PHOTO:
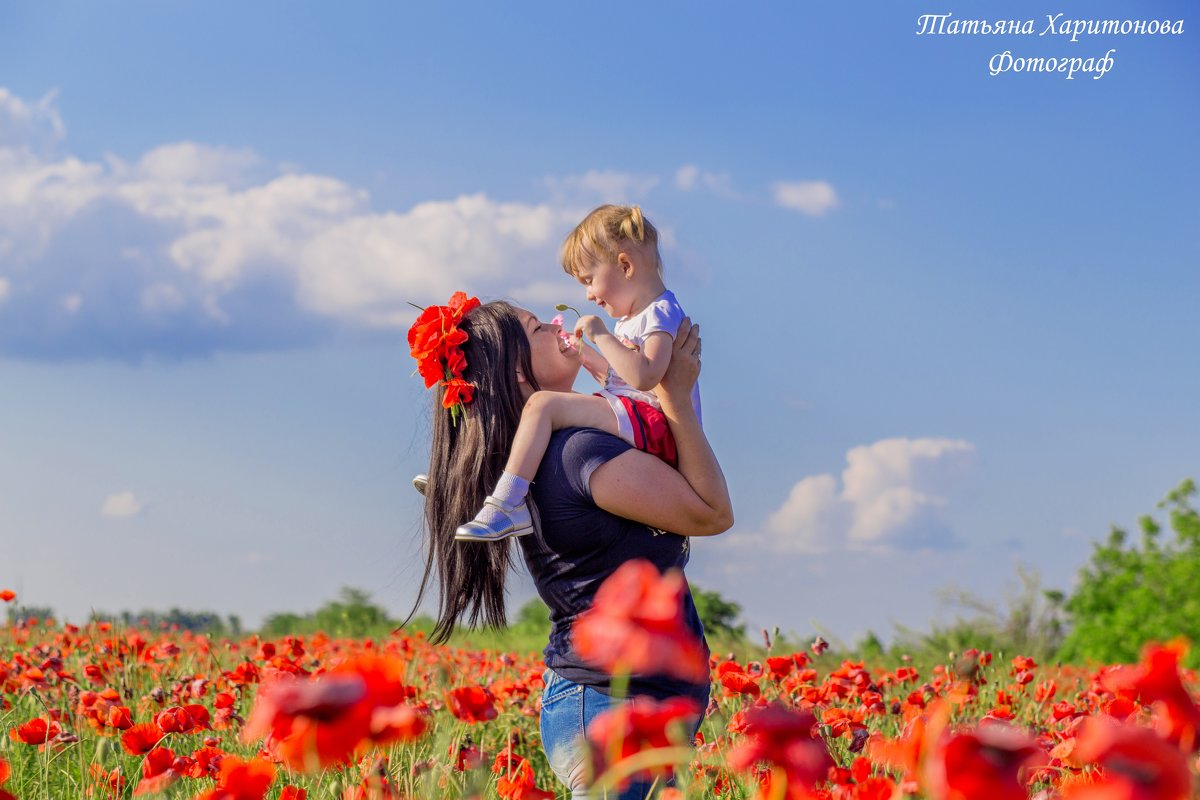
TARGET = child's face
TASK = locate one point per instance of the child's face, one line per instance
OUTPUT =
(608, 287)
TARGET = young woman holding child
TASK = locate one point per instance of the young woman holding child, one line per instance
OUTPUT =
(600, 501)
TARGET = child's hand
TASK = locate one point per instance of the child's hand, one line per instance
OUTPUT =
(591, 326)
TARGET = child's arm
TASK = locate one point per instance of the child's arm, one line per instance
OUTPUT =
(593, 362)
(644, 369)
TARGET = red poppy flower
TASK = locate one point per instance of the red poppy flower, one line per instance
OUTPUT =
(638, 725)
(241, 780)
(636, 624)
(141, 739)
(985, 762)
(1135, 764)
(311, 723)
(157, 772)
(736, 683)
(462, 305)
(290, 792)
(472, 703)
(157, 761)
(120, 717)
(787, 741)
(36, 731)
(206, 762)
(779, 667)
(7, 595)
(399, 723)
(1156, 681)
(455, 391)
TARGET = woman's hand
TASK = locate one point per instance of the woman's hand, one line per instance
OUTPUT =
(693, 500)
(684, 368)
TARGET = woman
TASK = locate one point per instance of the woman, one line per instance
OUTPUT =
(599, 503)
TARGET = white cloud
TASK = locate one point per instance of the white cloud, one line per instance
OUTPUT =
(227, 251)
(685, 177)
(808, 197)
(605, 186)
(191, 162)
(121, 505)
(690, 177)
(366, 267)
(29, 125)
(892, 495)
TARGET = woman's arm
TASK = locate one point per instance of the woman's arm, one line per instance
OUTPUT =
(692, 500)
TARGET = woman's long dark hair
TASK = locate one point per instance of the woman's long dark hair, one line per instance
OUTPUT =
(464, 465)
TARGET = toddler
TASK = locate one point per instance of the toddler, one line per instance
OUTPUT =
(613, 252)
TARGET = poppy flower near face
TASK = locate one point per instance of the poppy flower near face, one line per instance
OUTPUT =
(636, 624)
(472, 703)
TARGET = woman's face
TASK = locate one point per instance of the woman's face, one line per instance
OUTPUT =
(555, 364)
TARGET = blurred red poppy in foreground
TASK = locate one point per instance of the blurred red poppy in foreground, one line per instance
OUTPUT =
(788, 742)
(312, 723)
(639, 725)
(1135, 764)
(4, 772)
(636, 625)
(1156, 681)
(984, 762)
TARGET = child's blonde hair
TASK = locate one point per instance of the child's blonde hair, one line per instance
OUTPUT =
(600, 235)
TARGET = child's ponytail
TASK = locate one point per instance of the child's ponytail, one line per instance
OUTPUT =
(633, 226)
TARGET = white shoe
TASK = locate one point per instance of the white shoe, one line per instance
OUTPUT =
(513, 521)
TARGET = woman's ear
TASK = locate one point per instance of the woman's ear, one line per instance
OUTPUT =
(521, 377)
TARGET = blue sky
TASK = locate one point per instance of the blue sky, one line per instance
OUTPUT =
(948, 316)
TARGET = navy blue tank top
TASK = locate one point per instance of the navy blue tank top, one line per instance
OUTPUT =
(579, 545)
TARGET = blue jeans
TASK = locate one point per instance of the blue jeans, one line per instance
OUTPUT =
(567, 710)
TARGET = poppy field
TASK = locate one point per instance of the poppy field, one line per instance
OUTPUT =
(105, 712)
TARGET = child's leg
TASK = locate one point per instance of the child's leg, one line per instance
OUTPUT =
(544, 413)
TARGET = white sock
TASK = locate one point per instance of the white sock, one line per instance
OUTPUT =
(510, 490)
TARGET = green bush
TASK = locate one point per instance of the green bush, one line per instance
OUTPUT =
(1134, 593)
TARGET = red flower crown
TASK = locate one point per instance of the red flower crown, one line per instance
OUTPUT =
(435, 342)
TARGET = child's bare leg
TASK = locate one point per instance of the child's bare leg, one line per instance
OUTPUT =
(544, 413)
